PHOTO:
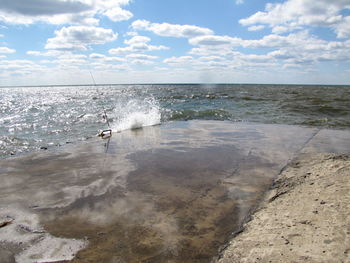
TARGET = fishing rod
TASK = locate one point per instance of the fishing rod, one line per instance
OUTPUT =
(104, 133)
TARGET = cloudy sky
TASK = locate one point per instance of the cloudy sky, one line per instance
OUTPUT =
(46, 42)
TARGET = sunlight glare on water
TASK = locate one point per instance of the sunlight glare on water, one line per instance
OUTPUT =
(34, 118)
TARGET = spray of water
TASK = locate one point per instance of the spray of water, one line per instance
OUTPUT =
(136, 114)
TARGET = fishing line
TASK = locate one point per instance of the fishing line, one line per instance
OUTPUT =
(103, 133)
(104, 111)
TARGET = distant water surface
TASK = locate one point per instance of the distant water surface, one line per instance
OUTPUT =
(34, 118)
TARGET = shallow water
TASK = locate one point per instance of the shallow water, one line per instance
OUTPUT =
(36, 118)
(169, 193)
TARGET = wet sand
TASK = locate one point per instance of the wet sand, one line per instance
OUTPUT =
(172, 193)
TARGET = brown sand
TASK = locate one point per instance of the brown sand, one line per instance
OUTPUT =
(304, 218)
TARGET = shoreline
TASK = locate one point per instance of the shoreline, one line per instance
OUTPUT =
(304, 217)
(61, 145)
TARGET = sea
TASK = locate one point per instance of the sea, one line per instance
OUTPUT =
(45, 117)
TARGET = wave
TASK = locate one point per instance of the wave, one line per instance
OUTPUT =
(137, 114)
(212, 114)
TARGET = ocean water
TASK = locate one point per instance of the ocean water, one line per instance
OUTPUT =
(38, 118)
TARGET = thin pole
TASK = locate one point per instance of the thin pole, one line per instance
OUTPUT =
(105, 114)
(106, 118)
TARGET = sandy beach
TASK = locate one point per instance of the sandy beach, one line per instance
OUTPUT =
(305, 217)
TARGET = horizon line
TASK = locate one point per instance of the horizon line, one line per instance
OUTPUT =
(163, 84)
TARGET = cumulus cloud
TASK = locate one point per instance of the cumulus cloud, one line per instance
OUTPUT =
(79, 12)
(211, 51)
(211, 58)
(18, 67)
(136, 44)
(97, 56)
(137, 40)
(343, 28)
(104, 58)
(80, 37)
(179, 61)
(141, 56)
(199, 64)
(118, 14)
(141, 59)
(171, 30)
(256, 28)
(42, 7)
(215, 41)
(6, 50)
(295, 14)
(298, 48)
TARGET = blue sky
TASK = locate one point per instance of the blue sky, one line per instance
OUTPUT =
(50, 42)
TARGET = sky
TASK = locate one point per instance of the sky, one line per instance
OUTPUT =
(63, 42)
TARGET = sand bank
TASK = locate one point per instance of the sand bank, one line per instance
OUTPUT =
(304, 218)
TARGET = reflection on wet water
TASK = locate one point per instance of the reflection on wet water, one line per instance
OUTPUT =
(171, 193)
(174, 206)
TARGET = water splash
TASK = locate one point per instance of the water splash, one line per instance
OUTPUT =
(137, 114)
(38, 118)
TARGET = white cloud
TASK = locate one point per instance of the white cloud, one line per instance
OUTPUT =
(42, 7)
(118, 14)
(137, 40)
(211, 50)
(136, 44)
(211, 58)
(120, 51)
(130, 34)
(70, 61)
(213, 40)
(141, 59)
(138, 48)
(77, 12)
(179, 61)
(295, 14)
(19, 66)
(275, 41)
(69, 55)
(97, 56)
(108, 4)
(142, 62)
(80, 37)
(113, 68)
(105, 58)
(49, 53)
(6, 50)
(171, 30)
(256, 28)
(239, 2)
(236, 60)
(34, 53)
(86, 18)
(299, 48)
(343, 28)
(141, 56)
